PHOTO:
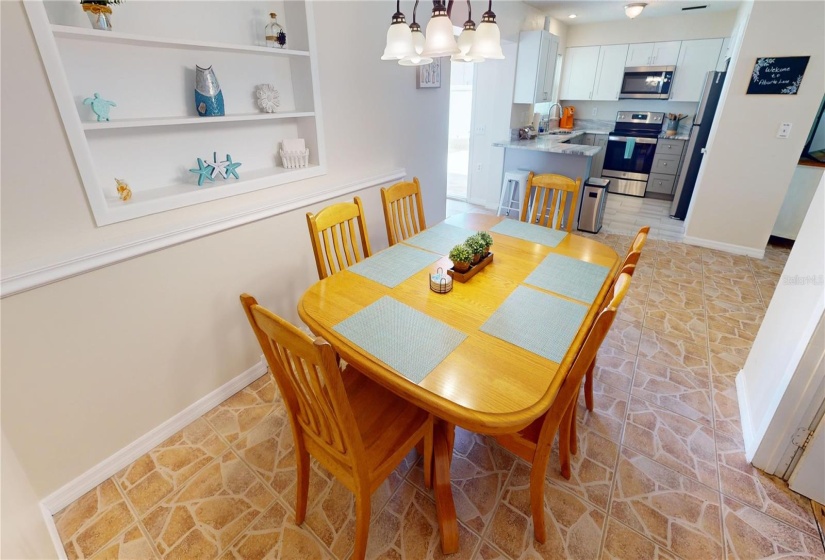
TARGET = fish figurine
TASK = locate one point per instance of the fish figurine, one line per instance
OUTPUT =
(123, 190)
(100, 106)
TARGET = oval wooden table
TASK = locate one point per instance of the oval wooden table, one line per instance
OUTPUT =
(486, 385)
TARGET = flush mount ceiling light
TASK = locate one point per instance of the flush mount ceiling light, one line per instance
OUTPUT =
(572, 16)
(409, 46)
(633, 10)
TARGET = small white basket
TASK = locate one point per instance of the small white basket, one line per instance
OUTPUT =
(293, 160)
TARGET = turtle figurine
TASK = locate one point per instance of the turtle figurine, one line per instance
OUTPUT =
(100, 106)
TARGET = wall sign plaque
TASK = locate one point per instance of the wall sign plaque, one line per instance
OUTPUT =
(778, 75)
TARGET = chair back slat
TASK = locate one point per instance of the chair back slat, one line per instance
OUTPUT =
(308, 377)
(335, 232)
(546, 198)
(403, 210)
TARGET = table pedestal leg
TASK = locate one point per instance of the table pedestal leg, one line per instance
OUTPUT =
(445, 507)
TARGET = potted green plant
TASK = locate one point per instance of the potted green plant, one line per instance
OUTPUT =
(99, 12)
(462, 256)
(477, 246)
(487, 239)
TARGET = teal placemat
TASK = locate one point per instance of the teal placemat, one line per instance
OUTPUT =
(530, 232)
(394, 265)
(570, 277)
(405, 339)
(440, 239)
(538, 322)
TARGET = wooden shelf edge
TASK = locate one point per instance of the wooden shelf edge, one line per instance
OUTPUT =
(186, 121)
(68, 31)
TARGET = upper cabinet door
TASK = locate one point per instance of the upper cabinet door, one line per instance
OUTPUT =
(609, 72)
(535, 67)
(579, 73)
(639, 54)
(724, 55)
(550, 68)
(665, 54)
(696, 59)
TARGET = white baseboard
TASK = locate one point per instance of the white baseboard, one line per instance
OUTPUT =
(48, 520)
(31, 275)
(73, 490)
(727, 247)
(745, 416)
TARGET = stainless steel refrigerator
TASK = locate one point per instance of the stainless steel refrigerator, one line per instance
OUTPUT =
(699, 133)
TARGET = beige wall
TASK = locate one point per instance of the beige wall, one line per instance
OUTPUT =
(23, 533)
(91, 363)
(747, 169)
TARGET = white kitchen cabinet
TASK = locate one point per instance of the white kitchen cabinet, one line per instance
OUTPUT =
(609, 72)
(154, 136)
(579, 72)
(653, 54)
(724, 55)
(696, 59)
(535, 67)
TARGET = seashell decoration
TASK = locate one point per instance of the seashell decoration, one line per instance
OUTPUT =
(268, 97)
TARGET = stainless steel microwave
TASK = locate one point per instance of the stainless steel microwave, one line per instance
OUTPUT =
(647, 82)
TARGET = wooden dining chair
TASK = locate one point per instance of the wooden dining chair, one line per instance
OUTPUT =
(403, 210)
(355, 428)
(631, 258)
(334, 238)
(533, 443)
(547, 196)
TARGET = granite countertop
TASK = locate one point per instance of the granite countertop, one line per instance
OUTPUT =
(553, 144)
(679, 136)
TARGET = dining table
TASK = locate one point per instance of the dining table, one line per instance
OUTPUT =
(489, 355)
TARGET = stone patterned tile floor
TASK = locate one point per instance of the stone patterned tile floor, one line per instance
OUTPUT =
(660, 473)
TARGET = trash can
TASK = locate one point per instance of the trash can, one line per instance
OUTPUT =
(594, 198)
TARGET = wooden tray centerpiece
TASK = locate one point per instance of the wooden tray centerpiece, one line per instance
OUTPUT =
(471, 256)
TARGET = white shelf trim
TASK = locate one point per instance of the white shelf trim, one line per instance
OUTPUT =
(177, 121)
(29, 276)
(70, 32)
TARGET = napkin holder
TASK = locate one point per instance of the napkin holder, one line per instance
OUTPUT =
(441, 283)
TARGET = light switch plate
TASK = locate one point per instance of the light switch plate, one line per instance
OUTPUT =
(784, 130)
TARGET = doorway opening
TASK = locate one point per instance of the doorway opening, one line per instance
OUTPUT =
(460, 127)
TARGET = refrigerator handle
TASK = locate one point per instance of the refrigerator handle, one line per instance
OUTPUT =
(704, 150)
(703, 103)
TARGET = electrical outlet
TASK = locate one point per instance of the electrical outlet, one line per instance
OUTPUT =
(595, 111)
(479, 166)
(784, 130)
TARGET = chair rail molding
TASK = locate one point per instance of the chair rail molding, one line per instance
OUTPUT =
(34, 274)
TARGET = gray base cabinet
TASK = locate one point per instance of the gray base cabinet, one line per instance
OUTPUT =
(666, 163)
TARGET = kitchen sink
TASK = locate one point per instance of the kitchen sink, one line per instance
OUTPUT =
(557, 132)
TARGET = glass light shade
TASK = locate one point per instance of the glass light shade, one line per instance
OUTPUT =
(487, 43)
(418, 45)
(633, 10)
(465, 42)
(399, 42)
(440, 40)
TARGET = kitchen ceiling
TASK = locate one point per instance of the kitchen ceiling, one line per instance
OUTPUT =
(592, 11)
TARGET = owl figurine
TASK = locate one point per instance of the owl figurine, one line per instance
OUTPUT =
(123, 190)
(100, 106)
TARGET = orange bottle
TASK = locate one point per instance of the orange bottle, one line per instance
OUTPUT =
(566, 120)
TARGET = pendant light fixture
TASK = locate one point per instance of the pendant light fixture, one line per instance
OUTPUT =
(466, 40)
(633, 10)
(487, 43)
(440, 40)
(399, 37)
(418, 41)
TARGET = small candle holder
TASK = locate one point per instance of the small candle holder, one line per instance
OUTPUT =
(440, 283)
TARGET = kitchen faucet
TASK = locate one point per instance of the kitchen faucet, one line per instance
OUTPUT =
(550, 110)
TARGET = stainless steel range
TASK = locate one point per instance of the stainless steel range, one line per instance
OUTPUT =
(630, 148)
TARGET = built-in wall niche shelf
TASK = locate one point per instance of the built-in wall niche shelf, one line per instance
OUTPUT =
(182, 121)
(153, 137)
(68, 31)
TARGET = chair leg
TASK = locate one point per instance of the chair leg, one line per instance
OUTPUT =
(302, 483)
(588, 386)
(362, 524)
(428, 457)
(567, 438)
(537, 473)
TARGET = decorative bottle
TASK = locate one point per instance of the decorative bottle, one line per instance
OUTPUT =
(275, 34)
(208, 95)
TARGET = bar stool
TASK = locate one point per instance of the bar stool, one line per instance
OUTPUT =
(512, 192)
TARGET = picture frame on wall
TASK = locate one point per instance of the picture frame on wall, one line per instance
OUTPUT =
(429, 75)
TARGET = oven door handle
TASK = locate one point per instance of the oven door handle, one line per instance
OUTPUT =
(638, 140)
